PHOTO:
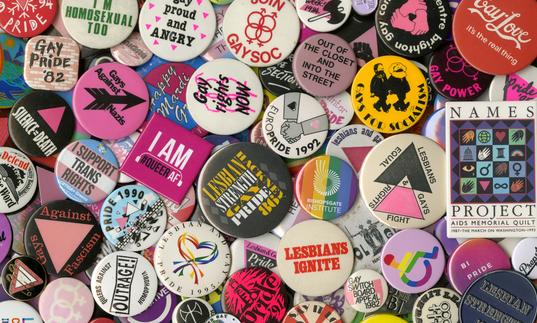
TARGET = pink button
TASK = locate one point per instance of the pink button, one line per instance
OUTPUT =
(110, 101)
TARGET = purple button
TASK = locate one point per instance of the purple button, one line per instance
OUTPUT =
(440, 232)
(412, 261)
(324, 65)
(5, 236)
(473, 259)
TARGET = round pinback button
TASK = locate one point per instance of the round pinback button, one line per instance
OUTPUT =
(261, 33)
(326, 187)
(383, 318)
(295, 125)
(86, 171)
(468, 262)
(403, 181)
(177, 31)
(325, 15)
(110, 101)
(367, 234)
(412, 261)
(315, 251)
(101, 23)
(324, 64)
(192, 310)
(192, 259)
(496, 37)
(352, 143)
(6, 237)
(51, 63)
(66, 300)
(16, 311)
(279, 78)
(263, 285)
(437, 305)
(18, 180)
(500, 296)
(12, 60)
(364, 7)
(524, 258)
(160, 310)
(124, 284)
(245, 190)
(132, 51)
(24, 278)
(133, 217)
(255, 252)
(178, 213)
(336, 300)
(389, 94)
(366, 290)
(223, 318)
(224, 96)
(338, 108)
(518, 86)
(414, 28)
(72, 251)
(312, 311)
(453, 77)
(27, 19)
(41, 123)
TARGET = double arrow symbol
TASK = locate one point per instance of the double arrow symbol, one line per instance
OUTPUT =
(103, 100)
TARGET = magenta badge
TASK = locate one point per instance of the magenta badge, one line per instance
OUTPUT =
(166, 158)
(255, 295)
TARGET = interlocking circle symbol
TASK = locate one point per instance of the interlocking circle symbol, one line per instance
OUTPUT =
(191, 258)
(456, 64)
(260, 26)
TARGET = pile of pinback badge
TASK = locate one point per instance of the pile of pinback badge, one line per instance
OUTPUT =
(249, 161)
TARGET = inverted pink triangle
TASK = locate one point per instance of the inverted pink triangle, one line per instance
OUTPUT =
(401, 201)
(484, 184)
(151, 5)
(52, 116)
(61, 239)
(356, 156)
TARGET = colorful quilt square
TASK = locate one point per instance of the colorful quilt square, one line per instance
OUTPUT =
(492, 161)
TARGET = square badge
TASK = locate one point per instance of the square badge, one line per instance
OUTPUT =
(167, 158)
(51, 63)
(491, 168)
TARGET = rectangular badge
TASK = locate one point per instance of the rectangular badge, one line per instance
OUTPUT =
(491, 169)
(167, 158)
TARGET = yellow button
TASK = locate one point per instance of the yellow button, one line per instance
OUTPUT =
(389, 94)
(384, 318)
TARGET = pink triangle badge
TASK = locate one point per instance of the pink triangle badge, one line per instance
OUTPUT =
(61, 247)
(52, 117)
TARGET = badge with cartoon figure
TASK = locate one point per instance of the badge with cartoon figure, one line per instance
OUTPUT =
(389, 94)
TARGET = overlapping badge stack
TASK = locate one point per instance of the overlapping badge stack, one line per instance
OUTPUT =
(267, 161)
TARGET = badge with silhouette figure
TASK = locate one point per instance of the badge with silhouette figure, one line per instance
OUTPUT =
(389, 94)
